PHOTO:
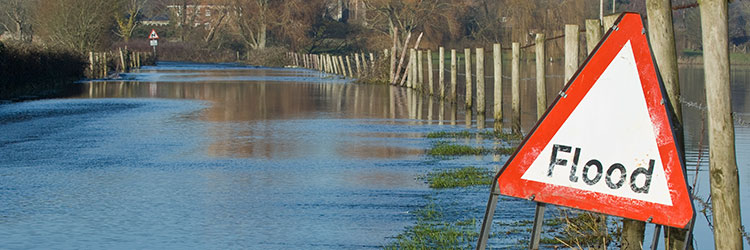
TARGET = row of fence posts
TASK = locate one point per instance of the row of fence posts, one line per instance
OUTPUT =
(121, 60)
(409, 76)
(336, 64)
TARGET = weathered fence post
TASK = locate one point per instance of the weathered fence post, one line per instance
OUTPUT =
(359, 70)
(571, 50)
(516, 88)
(372, 61)
(661, 36)
(91, 64)
(467, 67)
(441, 71)
(429, 72)
(412, 81)
(349, 66)
(122, 61)
(480, 84)
(104, 65)
(497, 61)
(343, 67)
(541, 72)
(593, 34)
(420, 70)
(453, 76)
(725, 191)
(393, 56)
(608, 21)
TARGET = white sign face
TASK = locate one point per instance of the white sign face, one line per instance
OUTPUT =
(608, 144)
(154, 42)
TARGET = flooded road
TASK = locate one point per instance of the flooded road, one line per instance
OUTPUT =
(228, 156)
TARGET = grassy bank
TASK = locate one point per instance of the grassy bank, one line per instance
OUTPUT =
(28, 72)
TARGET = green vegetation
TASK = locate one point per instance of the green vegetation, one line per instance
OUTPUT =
(33, 72)
(447, 149)
(582, 230)
(469, 134)
(463, 177)
(432, 232)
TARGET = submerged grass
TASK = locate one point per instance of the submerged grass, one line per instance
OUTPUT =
(432, 232)
(463, 177)
(443, 148)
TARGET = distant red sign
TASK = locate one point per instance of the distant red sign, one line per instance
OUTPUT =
(606, 144)
(153, 35)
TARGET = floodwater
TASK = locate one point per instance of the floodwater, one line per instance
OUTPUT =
(222, 156)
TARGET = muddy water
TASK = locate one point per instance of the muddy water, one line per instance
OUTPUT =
(229, 156)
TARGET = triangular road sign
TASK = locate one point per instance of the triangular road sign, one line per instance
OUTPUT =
(606, 144)
(153, 35)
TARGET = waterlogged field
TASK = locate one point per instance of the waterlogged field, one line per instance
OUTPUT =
(227, 156)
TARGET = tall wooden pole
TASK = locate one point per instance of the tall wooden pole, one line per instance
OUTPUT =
(497, 62)
(541, 82)
(480, 84)
(516, 87)
(467, 67)
(571, 50)
(412, 81)
(441, 71)
(593, 34)
(349, 66)
(661, 36)
(454, 68)
(725, 188)
(359, 69)
(420, 69)
(429, 73)
(393, 56)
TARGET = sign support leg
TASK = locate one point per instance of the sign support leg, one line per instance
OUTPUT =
(657, 233)
(689, 238)
(488, 213)
(536, 231)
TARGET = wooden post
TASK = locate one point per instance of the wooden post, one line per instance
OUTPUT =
(429, 73)
(91, 64)
(412, 71)
(453, 76)
(480, 84)
(122, 61)
(516, 88)
(343, 67)
(441, 71)
(393, 56)
(571, 50)
(372, 61)
(335, 63)
(359, 70)
(593, 34)
(497, 61)
(401, 62)
(661, 36)
(104, 65)
(467, 67)
(608, 21)
(541, 72)
(420, 69)
(349, 66)
(725, 190)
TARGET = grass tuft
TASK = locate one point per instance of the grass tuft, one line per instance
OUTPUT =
(447, 149)
(464, 177)
(432, 232)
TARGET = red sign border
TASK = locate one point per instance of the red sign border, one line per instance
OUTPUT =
(153, 31)
(628, 27)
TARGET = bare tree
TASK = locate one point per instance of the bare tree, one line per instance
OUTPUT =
(15, 16)
(415, 15)
(80, 25)
(127, 17)
(252, 22)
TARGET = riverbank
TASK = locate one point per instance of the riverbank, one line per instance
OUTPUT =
(30, 72)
